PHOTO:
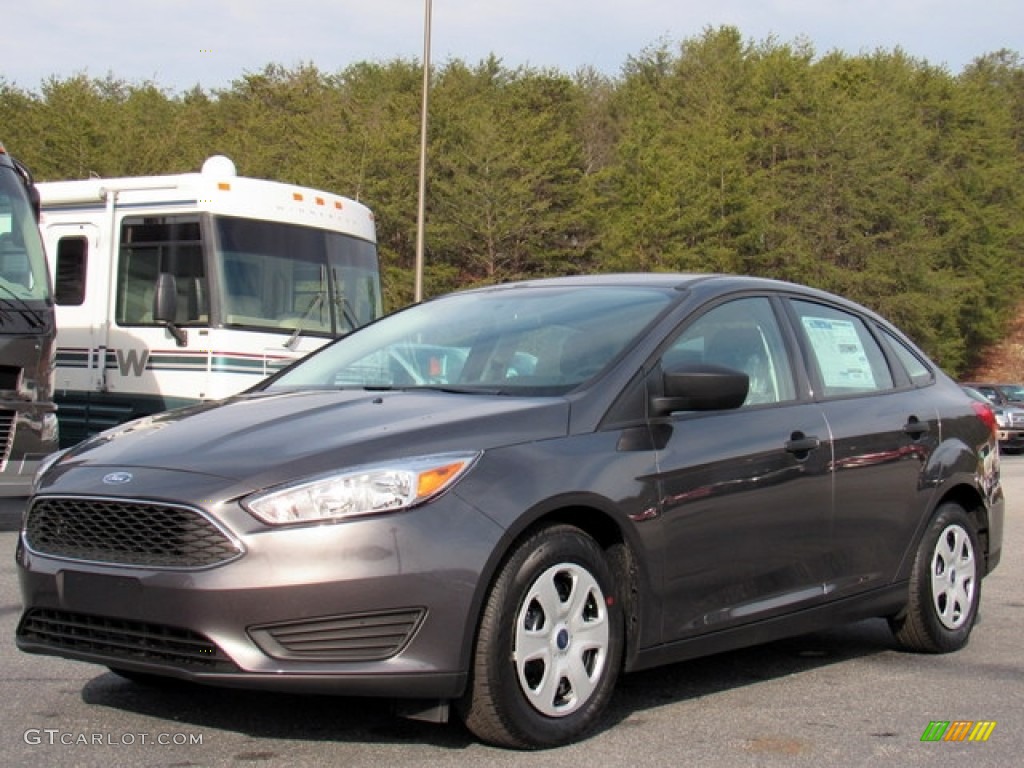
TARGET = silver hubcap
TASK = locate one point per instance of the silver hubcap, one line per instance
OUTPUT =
(953, 577)
(561, 640)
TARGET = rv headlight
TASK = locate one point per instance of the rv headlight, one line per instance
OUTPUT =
(365, 490)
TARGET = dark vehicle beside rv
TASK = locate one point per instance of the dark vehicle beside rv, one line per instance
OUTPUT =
(28, 421)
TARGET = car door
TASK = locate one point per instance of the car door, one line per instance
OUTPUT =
(884, 430)
(745, 494)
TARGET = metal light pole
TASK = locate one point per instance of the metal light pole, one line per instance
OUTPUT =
(421, 212)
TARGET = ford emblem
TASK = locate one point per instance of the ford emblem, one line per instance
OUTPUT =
(117, 478)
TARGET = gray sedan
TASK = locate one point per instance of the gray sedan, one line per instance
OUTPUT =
(497, 501)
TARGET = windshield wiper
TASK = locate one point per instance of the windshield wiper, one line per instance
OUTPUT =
(341, 304)
(33, 316)
(454, 389)
(317, 301)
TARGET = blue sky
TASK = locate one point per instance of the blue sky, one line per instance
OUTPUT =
(178, 44)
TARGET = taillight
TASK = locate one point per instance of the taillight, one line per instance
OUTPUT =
(987, 417)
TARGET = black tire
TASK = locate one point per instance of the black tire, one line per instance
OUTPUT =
(945, 585)
(557, 690)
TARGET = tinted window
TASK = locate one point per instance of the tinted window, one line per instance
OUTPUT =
(69, 288)
(22, 262)
(847, 357)
(743, 335)
(284, 277)
(154, 244)
(920, 374)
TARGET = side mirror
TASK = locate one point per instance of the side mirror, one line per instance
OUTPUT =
(701, 387)
(165, 306)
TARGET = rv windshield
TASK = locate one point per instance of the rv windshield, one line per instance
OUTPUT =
(285, 277)
(23, 276)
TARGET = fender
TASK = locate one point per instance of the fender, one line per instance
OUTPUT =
(952, 472)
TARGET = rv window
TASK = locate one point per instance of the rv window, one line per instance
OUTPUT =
(69, 286)
(151, 245)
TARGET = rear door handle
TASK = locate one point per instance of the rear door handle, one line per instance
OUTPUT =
(799, 443)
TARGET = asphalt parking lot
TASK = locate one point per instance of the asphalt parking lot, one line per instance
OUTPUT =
(843, 697)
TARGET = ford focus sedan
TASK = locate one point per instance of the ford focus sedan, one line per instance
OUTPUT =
(496, 502)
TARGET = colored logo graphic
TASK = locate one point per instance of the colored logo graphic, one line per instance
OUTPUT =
(958, 730)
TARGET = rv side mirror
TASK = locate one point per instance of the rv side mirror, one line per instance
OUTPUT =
(165, 306)
(165, 298)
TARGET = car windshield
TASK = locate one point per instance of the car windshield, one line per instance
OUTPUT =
(1014, 393)
(22, 261)
(533, 341)
(976, 395)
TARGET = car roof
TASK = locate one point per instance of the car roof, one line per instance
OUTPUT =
(678, 281)
(712, 283)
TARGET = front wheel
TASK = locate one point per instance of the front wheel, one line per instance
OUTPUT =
(549, 646)
(945, 585)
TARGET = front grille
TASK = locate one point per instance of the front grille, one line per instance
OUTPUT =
(355, 637)
(127, 533)
(6, 436)
(82, 634)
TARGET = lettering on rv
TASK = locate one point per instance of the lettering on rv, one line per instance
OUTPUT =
(132, 361)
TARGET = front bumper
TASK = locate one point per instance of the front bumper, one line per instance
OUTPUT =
(1010, 438)
(377, 606)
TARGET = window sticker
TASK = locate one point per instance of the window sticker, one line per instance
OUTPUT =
(840, 353)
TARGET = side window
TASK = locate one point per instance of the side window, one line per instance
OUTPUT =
(920, 374)
(743, 335)
(154, 244)
(71, 262)
(848, 359)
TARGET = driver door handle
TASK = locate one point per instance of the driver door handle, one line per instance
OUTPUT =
(915, 428)
(801, 443)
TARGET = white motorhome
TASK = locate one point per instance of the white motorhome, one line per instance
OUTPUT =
(176, 289)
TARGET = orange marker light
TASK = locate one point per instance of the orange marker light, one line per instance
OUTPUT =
(434, 479)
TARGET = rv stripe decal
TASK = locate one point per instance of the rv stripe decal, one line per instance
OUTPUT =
(131, 362)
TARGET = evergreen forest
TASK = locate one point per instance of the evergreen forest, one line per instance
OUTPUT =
(878, 176)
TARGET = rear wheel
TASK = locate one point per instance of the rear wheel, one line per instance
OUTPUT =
(549, 646)
(945, 586)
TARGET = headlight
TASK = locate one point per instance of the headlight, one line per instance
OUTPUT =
(366, 490)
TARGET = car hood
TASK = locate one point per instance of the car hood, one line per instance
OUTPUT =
(263, 439)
